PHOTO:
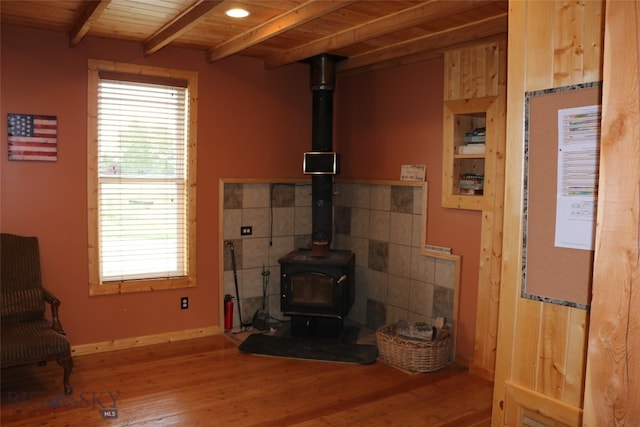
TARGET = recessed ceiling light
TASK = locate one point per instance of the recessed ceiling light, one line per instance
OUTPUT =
(237, 13)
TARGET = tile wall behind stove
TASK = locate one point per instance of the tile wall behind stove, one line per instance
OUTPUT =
(381, 223)
(279, 215)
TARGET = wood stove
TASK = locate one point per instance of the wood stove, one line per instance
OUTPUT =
(318, 285)
(317, 292)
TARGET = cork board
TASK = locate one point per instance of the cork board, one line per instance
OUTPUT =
(553, 274)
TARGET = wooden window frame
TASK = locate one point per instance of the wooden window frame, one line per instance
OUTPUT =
(142, 285)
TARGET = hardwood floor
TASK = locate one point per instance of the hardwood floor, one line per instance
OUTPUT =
(208, 382)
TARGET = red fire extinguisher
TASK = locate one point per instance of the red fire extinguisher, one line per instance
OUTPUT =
(228, 312)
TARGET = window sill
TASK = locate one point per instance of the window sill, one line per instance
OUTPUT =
(131, 286)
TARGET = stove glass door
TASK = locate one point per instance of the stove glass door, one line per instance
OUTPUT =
(312, 289)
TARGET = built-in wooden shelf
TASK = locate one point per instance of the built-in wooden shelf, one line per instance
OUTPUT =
(463, 117)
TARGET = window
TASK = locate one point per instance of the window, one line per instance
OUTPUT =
(141, 178)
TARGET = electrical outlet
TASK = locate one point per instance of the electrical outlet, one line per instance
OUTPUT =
(246, 230)
(184, 303)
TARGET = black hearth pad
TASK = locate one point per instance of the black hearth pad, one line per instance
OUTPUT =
(311, 349)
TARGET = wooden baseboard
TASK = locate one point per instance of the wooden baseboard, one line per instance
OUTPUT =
(482, 372)
(462, 361)
(124, 343)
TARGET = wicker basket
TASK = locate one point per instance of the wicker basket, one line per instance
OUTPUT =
(410, 354)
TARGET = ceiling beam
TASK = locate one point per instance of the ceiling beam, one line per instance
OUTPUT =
(422, 56)
(409, 17)
(89, 16)
(299, 15)
(440, 40)
(181, 24)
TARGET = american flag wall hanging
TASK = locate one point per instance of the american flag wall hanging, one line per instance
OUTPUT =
(32, 137)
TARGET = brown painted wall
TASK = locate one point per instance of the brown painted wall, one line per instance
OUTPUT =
(394, 117)
(253, 123)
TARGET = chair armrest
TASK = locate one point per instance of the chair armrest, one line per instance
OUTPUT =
(55, 304)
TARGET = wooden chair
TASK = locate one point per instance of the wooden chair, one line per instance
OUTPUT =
(27, 336)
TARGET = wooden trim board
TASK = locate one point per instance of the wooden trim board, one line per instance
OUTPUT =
(522, 404)
(132, 342)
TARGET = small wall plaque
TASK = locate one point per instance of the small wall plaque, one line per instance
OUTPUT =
(413, 172)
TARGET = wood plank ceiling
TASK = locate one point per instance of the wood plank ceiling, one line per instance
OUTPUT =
(368, 34)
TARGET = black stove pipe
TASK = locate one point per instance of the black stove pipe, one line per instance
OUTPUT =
(322, 88)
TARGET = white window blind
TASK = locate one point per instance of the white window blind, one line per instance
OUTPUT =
(142, 178)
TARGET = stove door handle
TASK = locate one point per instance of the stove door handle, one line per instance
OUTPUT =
(342, 279)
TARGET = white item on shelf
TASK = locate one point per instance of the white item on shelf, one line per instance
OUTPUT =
(471, 149)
